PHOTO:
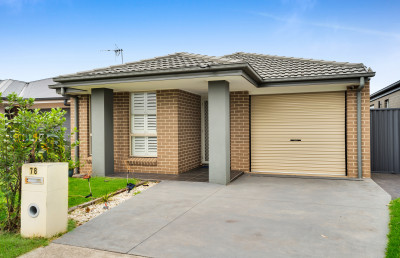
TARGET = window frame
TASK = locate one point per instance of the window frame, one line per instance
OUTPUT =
(146, 135)
(386, 103)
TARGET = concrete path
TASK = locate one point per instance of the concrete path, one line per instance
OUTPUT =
(389, 182)
(252, 217)
(66, 251)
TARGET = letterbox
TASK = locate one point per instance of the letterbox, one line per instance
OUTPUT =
(44, 199)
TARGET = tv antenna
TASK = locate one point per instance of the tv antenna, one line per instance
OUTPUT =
(117, 51)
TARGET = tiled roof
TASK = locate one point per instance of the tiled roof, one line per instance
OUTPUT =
(268, 67)
(278, 67)
(35, 89)
(172, 61)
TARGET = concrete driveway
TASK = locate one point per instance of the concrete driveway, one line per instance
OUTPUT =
(389, 182)
(252, 217)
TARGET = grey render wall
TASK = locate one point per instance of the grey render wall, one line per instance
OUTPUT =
(394, 100)
(102, 132)
(385, 140)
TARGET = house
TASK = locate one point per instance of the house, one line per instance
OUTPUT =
(249, 112)
(45, 98)
(388, 97)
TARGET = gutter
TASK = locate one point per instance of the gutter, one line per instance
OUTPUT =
(359, 135)
(213, 68)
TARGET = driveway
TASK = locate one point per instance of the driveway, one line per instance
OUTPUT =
(254, 216)
(389, 182)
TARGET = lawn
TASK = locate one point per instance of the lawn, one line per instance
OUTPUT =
(79, 188)
(393, 247)
(13, 245)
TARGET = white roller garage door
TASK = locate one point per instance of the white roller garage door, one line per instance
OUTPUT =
(299, 133)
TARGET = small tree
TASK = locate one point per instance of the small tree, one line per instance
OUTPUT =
(26, 136)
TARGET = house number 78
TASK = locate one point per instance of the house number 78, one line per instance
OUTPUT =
(33, 171)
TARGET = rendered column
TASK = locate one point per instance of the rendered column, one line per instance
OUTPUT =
(102, 132)
(219, 132)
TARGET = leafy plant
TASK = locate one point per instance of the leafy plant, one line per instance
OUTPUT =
(106, 197)
(72, 164)
(26, 136)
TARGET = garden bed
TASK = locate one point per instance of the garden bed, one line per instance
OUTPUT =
(85, 213)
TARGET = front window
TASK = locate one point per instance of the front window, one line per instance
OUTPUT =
(372, 106)
(144, 124)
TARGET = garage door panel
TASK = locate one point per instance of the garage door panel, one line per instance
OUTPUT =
(318, 119)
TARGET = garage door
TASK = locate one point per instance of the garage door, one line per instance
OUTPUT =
(298, 133)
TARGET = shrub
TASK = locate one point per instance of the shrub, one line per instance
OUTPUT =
(26, 136)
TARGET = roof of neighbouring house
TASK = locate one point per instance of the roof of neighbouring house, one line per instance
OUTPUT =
(386, 91)
(35, 89)
(267, 67)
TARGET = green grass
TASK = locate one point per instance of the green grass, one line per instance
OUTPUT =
(79, 188)
(393, 247)
(13, 245)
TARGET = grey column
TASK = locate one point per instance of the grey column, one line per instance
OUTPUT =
(219, 132)
(102, 132)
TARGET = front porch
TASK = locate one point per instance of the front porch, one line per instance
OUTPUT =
(163, 134)
(200, 174)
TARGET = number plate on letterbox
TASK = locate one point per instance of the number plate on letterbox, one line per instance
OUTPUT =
(34, 180)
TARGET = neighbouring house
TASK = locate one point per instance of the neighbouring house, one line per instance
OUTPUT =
(388, 97)
(249, 112)
(45, 98)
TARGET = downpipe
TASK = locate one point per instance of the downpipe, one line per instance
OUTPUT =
(359, 127)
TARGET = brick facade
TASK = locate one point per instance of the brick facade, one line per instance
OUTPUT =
(351, 127)
(189, 131)
(240, 130)
(394, 100)
(84, 148)
(178, 134)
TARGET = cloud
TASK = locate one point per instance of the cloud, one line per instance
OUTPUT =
(334, 26)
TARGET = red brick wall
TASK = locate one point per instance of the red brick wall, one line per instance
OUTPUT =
(351, 127)
(240, 130)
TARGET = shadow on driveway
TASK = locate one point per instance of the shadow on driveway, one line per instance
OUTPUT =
(389, 182)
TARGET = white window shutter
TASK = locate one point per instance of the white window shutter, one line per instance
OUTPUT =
(152, 146)
(138, 103)
(139, 146)
(151, 124)
(151, 103)
(138, 123)
(144, 124)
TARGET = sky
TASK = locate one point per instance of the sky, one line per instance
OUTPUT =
(41, 39)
